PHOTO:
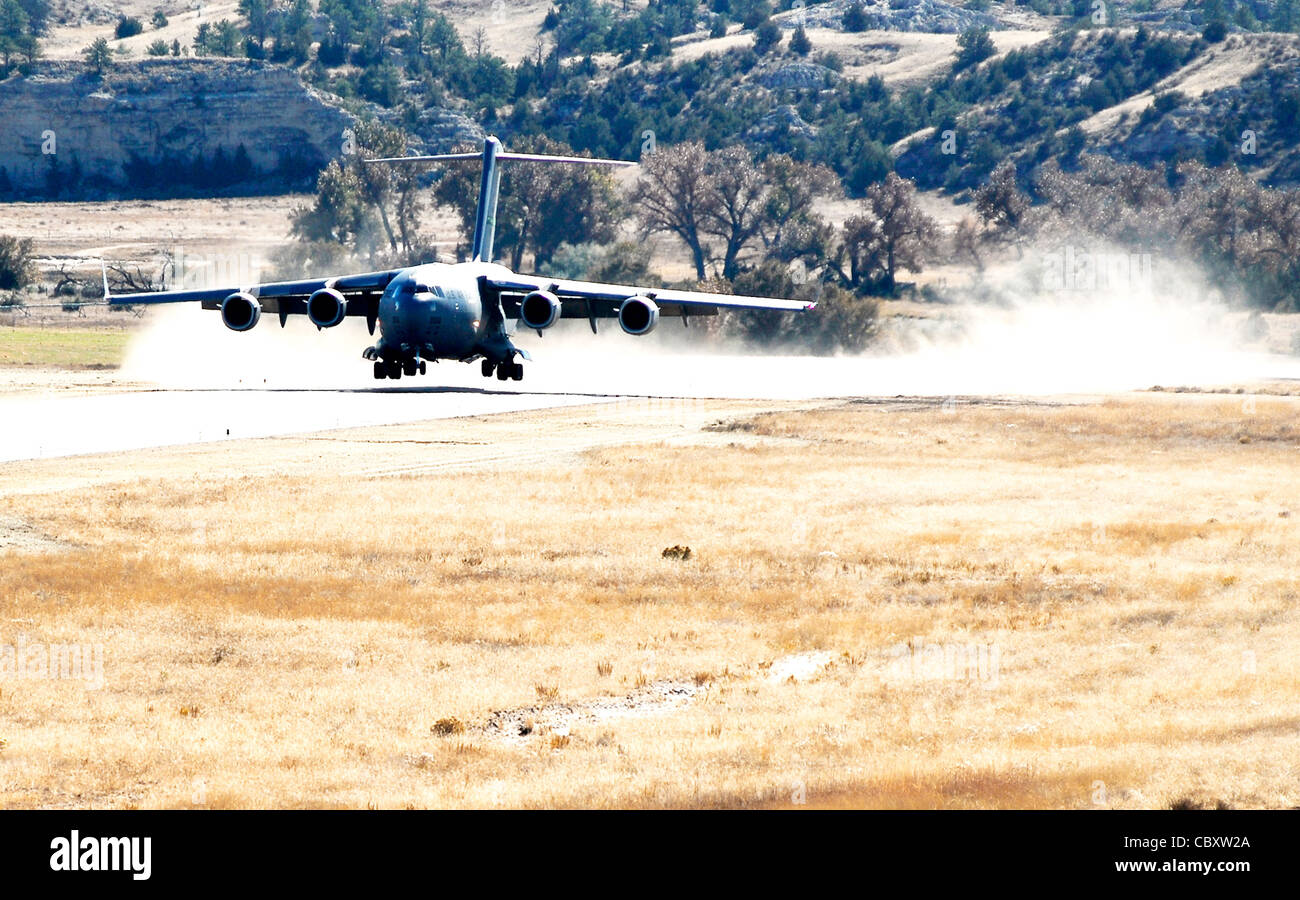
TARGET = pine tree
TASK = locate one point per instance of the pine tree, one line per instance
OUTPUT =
(99, 56)
(799, 42)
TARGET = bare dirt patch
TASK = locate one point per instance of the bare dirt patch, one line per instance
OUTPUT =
(17, 534)
(560, 719)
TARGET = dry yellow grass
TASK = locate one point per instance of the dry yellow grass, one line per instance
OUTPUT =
(888, 604)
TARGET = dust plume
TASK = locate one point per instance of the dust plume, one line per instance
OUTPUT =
(1131, 333)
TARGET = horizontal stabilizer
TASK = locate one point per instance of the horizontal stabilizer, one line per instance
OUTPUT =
(520, 157)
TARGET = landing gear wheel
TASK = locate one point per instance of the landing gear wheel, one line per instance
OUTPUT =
(487, 368)
(409, 368)
(503, 371)
(422, 367)
(517, 371)
(394, 369)
(380, 371)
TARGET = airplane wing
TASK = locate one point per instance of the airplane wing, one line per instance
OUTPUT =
(593, 300)
(282, 298)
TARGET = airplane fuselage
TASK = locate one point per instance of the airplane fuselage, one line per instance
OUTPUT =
(435, 311)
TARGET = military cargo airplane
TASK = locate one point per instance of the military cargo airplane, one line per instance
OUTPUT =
(456, 311)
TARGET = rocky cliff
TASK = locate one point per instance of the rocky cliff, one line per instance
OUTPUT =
(158, 121)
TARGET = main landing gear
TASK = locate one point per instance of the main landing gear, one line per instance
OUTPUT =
(396, 368)
(509, 370)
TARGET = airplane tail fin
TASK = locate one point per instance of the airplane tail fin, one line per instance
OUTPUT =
(485, 219)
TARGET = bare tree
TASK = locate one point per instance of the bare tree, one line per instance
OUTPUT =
(892, 233)
(968, 242)
(122, 279)
(792, 228)
(737, 211)
(674, 194)
(1002, 206)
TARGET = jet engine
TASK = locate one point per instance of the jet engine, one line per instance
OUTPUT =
(240, 311)
(638, 315)
(326, 308)
(540, 309)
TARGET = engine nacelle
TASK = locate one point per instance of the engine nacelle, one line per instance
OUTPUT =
(638, 315)
(540, 309)
(240, 311)
(326, 308)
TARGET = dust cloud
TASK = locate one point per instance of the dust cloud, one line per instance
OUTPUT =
(1067, 341)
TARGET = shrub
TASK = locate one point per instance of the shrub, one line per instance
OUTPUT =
(973, 45)
(855, 17)
(767, 36)
(128, 26)
(15, 262)
(799, 42)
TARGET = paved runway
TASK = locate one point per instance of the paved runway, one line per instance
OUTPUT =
(40, 427)
(212, 384)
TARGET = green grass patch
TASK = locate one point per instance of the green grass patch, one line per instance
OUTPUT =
(71, 348)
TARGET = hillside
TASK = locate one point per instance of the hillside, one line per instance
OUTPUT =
(599, 76)
(1137, 96)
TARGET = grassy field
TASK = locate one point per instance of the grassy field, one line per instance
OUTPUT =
(69, 348)
(884, 604)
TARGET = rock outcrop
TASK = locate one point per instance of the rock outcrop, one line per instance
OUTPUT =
(94, 136)
(934, 16)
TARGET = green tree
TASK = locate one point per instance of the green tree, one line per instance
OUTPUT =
(257, 12)
(418, 17)
(973, 46)
(128, 26)
(221, 39)
(99, 56)
(767, 36)
(372, 210)
(842, 321)
(792, 228)
(541, 206)
(855, 17)
(293, 32)
(15, 32)
(1286, 16)
(799, 42)
(339, 214)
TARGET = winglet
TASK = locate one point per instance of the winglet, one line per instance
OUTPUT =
(103, 268)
